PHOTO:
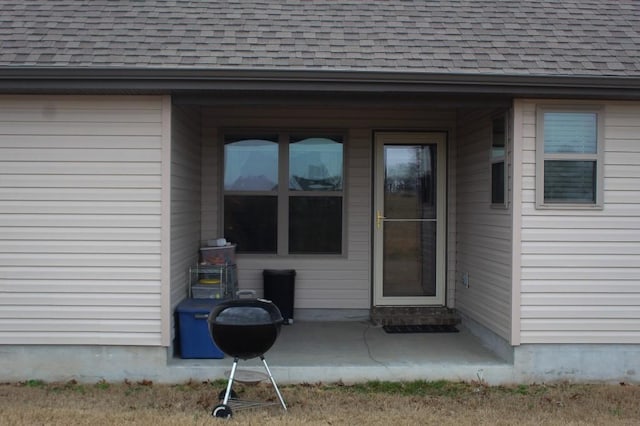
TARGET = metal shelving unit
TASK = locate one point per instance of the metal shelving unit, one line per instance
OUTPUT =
(213, 281)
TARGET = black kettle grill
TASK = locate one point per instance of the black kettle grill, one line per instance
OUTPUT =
(244, 329)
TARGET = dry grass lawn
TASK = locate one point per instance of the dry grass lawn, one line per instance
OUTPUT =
(374, 403)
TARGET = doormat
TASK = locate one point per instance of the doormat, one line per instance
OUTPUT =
(427, 328)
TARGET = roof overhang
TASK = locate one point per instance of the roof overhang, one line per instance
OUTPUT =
(198, 82)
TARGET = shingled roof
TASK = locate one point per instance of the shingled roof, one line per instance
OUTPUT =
(489, 37)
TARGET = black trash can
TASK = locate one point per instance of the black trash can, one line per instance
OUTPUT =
(279, 287)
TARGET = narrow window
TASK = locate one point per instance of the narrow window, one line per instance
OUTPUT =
(315, 198)
(499, 137)
(251, 193)
(569, 163)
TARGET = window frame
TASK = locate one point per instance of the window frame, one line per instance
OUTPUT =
(506, 117)
(598, 156)
(283, 193)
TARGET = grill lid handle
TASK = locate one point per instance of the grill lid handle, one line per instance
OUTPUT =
(249, 293)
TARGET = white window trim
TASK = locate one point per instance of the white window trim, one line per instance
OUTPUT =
(598, 157)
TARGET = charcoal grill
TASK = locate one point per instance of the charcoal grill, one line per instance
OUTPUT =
(244, 329)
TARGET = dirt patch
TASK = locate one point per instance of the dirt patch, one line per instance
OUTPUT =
(373, 403)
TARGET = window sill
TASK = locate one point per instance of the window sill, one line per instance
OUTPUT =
(252, 256)
(562, 206)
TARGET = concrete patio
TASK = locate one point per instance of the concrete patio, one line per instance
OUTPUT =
(351, 351)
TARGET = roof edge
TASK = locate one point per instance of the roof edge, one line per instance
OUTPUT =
(37, 79)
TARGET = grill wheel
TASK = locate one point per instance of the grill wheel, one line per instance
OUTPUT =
(222, 411)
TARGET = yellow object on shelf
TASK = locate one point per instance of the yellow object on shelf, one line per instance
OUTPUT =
(209, 281)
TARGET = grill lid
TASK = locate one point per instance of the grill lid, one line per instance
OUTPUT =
(243, 315)
(246, 312)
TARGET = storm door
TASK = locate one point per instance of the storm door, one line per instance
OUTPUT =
(409, 218)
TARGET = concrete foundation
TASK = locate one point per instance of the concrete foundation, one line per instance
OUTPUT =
(348, 351)
(578, 363)
(489, 339)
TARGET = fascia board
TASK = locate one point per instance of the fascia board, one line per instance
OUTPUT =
(33, 79)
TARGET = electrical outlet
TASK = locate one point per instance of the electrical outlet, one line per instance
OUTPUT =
(465, 279)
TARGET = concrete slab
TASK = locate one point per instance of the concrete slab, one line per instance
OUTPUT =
(352, 351)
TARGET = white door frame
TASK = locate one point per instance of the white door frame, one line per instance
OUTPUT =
(409, 138)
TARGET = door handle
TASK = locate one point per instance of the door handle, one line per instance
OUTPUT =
(379, 218)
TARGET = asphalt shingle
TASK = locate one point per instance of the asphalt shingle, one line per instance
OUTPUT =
(504, 37)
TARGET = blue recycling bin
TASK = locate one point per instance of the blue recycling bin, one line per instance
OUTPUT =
(193, 329)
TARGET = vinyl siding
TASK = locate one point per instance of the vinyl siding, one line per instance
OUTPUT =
(323, 282)
(185, 198)
(580, 267)
(80, 216)
(483, 233)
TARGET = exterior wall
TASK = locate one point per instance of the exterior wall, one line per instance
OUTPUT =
(580, 268)
(483, 232)
(210, 189)
(80, 220)
(321, 282)
(452, 211)
(185, 198)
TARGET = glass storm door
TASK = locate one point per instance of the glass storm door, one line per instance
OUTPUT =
(408, 219)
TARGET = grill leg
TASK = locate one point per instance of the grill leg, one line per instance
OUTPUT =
(230, 382)
(273, 382)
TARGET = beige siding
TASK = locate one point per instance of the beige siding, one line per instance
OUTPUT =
(483, 232)
(185, 198)
(80, 216)
(321, 282)
(210, 191)
(580, 268)
(452, 211)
